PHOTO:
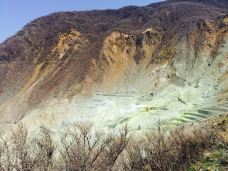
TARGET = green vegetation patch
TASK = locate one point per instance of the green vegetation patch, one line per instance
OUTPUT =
(216, 160)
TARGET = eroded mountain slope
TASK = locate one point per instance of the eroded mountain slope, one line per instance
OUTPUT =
(134, 65)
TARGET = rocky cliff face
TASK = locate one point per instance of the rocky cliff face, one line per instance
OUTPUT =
(133, 65)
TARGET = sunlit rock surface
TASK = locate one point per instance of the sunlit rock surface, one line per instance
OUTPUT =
(136, 65)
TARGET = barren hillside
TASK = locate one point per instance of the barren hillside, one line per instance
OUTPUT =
(133, 65)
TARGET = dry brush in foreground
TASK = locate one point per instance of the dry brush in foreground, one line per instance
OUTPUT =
(81, 148)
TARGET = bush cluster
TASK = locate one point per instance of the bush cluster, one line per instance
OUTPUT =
(82, 148)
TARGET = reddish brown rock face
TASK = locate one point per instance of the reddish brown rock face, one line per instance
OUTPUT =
(132, 50)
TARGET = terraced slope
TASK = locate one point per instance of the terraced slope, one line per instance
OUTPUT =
(137, 65)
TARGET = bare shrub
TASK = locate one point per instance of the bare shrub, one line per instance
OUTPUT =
(21, 152)
(116, 144)
(78, 153)
(168, 150)
(84, 149)
(134, 157)
(45, 150)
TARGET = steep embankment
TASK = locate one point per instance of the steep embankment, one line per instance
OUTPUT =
(134, 65)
